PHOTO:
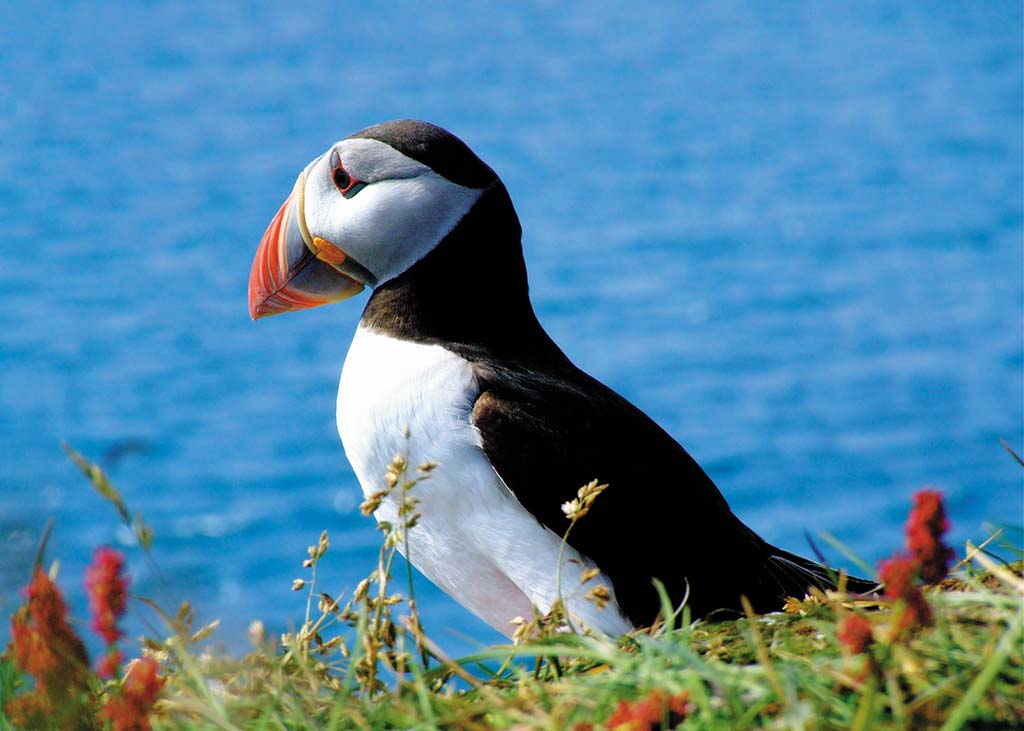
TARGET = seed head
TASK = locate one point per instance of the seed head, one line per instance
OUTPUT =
(585, 496)
(372, 502)
(600, 595)
(589, 574)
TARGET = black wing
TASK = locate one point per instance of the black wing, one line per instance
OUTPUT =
(661, 516)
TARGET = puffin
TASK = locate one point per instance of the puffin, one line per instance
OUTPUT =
(450, 366)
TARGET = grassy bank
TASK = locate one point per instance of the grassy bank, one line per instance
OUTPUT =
(946, 656)
(779, 671)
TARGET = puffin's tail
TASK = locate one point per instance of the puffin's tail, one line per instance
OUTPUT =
(795, 574)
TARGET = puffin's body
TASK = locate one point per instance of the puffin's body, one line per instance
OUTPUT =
(450, 365)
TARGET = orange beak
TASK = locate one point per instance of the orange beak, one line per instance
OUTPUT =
(293, 271)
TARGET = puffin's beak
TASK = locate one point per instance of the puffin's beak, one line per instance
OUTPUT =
(293, 271)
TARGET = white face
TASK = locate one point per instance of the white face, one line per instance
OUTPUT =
(402, 212)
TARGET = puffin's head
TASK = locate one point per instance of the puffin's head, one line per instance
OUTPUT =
(362, 213)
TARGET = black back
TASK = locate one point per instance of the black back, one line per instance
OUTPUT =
(548, 428)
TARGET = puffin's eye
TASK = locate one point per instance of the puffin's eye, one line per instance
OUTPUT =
(345, 183)
(342, 179)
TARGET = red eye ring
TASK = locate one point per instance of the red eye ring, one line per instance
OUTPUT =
(346, 184)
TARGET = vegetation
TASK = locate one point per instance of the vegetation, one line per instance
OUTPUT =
(930, 651)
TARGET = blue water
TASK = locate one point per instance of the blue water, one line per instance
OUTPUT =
(792, 234)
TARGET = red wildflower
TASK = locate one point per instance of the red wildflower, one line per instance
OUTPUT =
(107, 588)
(143, 681)
(854, 633)
(33, 650)
(44, 645)
(108, 664)
(925, 527)
(648, 713)
(899, 574)
(32, 710)
(129, 708)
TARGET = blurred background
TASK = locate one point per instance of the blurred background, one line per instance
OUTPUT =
(791, 233)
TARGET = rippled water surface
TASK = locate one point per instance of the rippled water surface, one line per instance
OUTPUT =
(793, 236)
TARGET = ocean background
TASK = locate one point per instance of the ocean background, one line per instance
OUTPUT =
(790, 232)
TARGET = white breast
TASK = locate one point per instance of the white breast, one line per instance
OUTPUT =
(474, 539)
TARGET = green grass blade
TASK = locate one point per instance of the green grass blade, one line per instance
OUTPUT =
(967, 705)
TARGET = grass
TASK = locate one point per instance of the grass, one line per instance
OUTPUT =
(366, 662)
(778, 671)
